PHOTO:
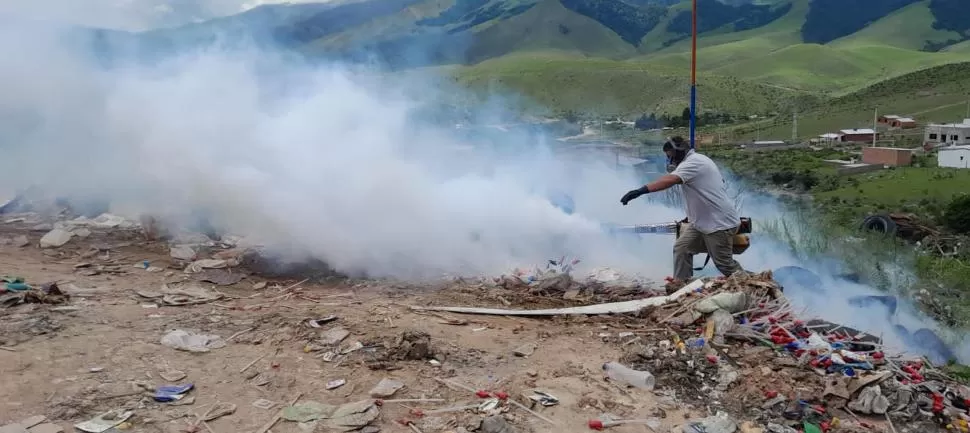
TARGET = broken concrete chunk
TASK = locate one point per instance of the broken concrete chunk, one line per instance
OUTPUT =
(20, 241)
(55, 238)
(354, 416)
(182, 252)
(386, 388)
(525, 349)
(333, 336)
(496, 424)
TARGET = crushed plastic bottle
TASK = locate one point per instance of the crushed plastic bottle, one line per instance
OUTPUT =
(627, 376)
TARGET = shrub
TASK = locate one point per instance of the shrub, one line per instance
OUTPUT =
(956, 215)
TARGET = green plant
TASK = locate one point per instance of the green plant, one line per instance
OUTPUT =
(956, 215)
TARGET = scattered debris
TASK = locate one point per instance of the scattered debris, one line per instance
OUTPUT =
(104, 422)
(192, 342)
(386, 388)
(525, 350)
(55, 238)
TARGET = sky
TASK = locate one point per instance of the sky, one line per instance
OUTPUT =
(131, 15)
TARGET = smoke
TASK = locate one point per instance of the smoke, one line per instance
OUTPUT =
(340, 164)
(326, 161)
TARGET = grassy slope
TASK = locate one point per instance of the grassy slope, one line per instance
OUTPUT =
(962, 47)
(889, 187)
(608, 87)
(916, 19)
(716, 50)
(539, 29)
(937, 94)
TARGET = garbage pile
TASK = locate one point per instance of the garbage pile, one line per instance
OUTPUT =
(556, 279)
(739, 340)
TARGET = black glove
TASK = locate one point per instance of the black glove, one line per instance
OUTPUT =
(634, 194)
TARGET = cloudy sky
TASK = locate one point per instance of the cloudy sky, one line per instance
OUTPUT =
(131, 14)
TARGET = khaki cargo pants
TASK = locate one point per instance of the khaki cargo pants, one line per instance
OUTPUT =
(720, 246)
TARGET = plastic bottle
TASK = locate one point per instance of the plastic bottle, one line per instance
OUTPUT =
(627, 376)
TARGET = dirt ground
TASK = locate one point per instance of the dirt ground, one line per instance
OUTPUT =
(78, 359)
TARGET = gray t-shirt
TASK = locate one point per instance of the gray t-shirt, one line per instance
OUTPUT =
(709, 209)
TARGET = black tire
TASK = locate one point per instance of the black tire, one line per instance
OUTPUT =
(879, 223)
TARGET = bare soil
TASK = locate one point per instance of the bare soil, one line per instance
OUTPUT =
(75, 360)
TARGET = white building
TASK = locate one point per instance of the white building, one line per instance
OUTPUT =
(954, 156)
(949, 133)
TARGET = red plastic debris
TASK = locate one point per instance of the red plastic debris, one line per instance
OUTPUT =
(482, 394)
(417, 412)
(595, 424)
(771, 394)
(825, 426)
(937, 403)
(878, 355)
(501, 395)
(712, 359)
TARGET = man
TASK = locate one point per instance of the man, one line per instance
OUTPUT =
(712, 216)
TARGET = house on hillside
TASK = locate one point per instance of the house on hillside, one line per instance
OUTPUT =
(887, 119)
(948, 133)
(858, 135)
(954, 157)
(903, 123)
(828, 137)
(883, 156)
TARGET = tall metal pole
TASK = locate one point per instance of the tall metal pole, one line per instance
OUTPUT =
(693, 74)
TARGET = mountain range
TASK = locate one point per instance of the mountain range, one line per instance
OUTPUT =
(781, 50)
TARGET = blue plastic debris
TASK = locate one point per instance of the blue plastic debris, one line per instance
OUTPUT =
(169, 393)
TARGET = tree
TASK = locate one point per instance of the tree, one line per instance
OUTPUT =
(956, 215)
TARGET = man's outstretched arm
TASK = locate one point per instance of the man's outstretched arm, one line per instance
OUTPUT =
(662, 183)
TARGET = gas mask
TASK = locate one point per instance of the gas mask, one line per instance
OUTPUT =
(679, 148)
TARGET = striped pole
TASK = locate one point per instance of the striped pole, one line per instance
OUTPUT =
(693, 73)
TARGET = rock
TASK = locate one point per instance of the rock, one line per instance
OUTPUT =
(333, 336)
(182, 252)
(525, 349)
(42, 227)
(778, 428)
(55, 238)
(720, 423)
(496, 424)
(386, 388)
(82, 232)
(20, 241)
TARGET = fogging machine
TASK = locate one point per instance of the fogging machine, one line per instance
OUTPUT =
(740, 244)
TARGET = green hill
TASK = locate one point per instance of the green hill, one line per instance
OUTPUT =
(567, 83)
(614, 56)
(939, 94)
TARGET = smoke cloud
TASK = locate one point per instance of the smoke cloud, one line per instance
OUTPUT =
(337, 163)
